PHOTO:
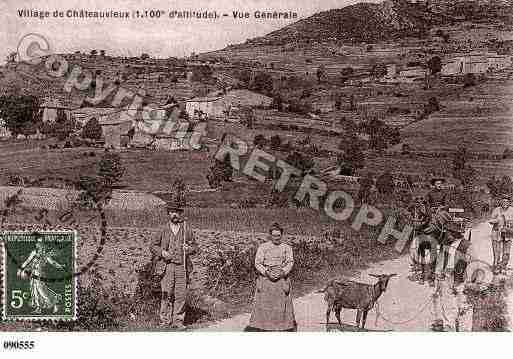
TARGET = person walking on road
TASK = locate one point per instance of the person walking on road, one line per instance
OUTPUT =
(272, 308)
(502, 234)
(171, 248)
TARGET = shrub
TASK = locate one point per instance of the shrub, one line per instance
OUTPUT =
(110, 168)
(351, 159)
(469, 80)
(260, 141)
(300, 161)
(92, 130)
(20, 113)
(275, 142)
(263, 83)
(300, 107)
(221, 171)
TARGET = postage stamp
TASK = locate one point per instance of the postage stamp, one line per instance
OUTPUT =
(38, 275)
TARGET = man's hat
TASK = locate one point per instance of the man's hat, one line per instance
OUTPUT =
(436, 179)
(276, 227)
(174, 207)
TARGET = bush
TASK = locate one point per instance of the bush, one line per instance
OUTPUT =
(110, 168)
(469, 80)
(260, 141)
(351, 159)
(277, 102)
(92, 130)
(202, 73)
(300, 161)
(263, 83)
(20, 113)
(300, 107)
(275, 142)
(221, 171)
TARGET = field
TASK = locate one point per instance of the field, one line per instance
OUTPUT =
(480, 118)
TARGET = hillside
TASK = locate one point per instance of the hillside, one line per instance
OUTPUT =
(389, 20)
(360, 22)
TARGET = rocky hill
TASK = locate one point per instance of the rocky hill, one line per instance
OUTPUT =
(389, 20)
(360, 22)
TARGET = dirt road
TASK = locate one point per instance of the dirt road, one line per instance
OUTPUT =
(405, 306)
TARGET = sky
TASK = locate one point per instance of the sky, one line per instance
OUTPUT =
(162, 37)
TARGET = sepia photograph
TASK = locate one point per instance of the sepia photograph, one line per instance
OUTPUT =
(182, 168)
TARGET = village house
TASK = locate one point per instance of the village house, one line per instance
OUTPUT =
(218, 106)
(115, 123)
(476, 63)
(52, 108)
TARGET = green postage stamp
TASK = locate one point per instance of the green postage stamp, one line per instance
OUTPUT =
(38, 275)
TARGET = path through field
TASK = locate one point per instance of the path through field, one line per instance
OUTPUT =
(406, 305)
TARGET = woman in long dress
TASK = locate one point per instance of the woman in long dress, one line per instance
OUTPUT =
(42, 297)
(272, 307)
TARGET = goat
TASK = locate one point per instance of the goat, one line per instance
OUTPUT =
(344, 293)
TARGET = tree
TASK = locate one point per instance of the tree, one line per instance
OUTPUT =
(346, 71)
(301, 107)
(62, 128)
(102, 53)
(459, 160)
(435, 65)
(352, 103)
(277, 102)
(20, 113)
(379, 70)
(433, 105)
(221, 171)
(94, 52)
(260, 141)
(376, 130)
(202, 73)
(11, 57)
(321, 73)
(110, 168)
(351, 159)
(405, 149)
(92, 130)
(275, 142)
(467, 175)
(507, 154)
(301, 161)
(385, 183)
(263, 83)
(145, 56)
(366, 182)
(393, 136)
(469, 80)
(338, 103)
(179, 191)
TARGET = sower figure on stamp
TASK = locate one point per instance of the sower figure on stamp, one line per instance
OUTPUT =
(172, 247)
(42, 297)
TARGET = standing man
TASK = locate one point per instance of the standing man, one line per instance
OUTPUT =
(502, 234)
(171, 248)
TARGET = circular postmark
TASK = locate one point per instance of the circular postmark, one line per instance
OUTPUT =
(81, 208)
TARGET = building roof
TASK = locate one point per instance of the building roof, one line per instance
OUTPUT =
(203, 99)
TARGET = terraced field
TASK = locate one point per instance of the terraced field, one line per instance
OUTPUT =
(484, 126)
